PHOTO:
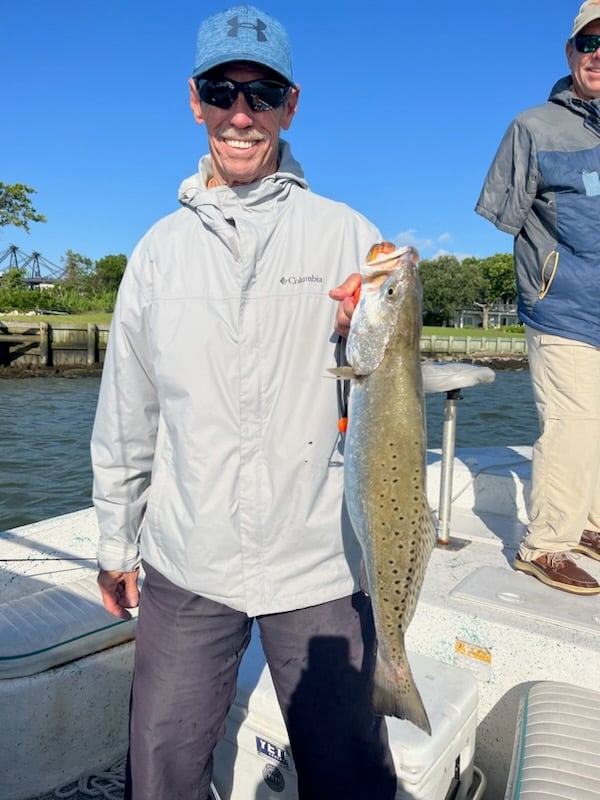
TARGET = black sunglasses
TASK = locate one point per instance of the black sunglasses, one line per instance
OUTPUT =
(586, 44)
(261, 95)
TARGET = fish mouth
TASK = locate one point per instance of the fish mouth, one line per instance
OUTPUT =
(377, 270)
(383, 260)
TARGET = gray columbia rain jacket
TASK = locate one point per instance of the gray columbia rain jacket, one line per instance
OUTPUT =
(215, 444)
(543, 187)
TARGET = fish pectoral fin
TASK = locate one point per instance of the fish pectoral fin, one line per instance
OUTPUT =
(343, 373)
(396, 695)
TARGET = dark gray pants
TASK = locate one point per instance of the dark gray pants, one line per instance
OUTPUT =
(188, 650)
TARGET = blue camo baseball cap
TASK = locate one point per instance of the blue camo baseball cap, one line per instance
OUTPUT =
(243, 33)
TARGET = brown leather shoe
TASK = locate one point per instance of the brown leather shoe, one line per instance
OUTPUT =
(589, 544)
(559, 571)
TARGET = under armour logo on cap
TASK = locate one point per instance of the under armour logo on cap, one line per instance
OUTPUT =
(260, 28)
(243, 33)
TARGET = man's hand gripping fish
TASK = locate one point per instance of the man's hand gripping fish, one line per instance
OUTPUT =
(385, 465)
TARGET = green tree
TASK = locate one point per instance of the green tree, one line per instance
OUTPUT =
(14, 278)
(77, 273)
(15, 293)
(16, 207)
(108, 273)
(499, 270)
(496, 280)
(448, 285)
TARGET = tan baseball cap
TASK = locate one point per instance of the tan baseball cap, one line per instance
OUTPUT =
(589, 11)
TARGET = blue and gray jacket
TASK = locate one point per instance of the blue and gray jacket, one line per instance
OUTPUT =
(543, 187)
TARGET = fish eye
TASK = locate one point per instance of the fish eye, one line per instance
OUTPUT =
(391, 291)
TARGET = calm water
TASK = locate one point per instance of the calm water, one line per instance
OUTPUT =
(45, 426)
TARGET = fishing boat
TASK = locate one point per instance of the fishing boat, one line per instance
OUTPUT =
(500, 659)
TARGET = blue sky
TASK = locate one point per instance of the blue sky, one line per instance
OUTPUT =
(402, 108)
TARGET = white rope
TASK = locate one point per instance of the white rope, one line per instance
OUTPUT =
(108, 784)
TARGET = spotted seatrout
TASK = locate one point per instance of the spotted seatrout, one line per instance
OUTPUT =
(385, 465)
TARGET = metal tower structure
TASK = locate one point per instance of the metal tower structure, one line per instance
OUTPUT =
(37, 268)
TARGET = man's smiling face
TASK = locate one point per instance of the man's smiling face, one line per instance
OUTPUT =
(585, 67)
(244, 144)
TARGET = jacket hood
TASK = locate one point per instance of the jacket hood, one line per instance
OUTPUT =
(562, 90)
(562, 94)
(194, 193)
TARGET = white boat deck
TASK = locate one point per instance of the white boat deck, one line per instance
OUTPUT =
(474, 611)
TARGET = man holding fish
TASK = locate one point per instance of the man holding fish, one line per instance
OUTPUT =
(217, 459)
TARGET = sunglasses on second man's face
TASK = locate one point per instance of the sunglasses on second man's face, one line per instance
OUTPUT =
(586, 44)
(261, 95)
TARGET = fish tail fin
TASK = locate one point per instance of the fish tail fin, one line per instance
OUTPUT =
(395, 694)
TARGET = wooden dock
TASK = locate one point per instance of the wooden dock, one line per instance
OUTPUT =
(41, 344)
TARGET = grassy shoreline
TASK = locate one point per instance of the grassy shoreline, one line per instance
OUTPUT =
(97, 318)
(496, 360)
(93, 317)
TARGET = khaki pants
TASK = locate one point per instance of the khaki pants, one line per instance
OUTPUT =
(565, 480)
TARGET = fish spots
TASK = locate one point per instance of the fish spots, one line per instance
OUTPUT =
(385, 468)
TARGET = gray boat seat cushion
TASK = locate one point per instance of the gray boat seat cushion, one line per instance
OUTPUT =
(556, 753)
(57, 625)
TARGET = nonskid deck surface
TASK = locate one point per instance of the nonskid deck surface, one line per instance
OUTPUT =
(476, 611)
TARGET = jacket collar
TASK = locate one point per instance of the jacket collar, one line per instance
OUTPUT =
(562, 94)
(194, 193)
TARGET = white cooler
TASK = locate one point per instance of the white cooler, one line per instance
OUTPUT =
(254, 761)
